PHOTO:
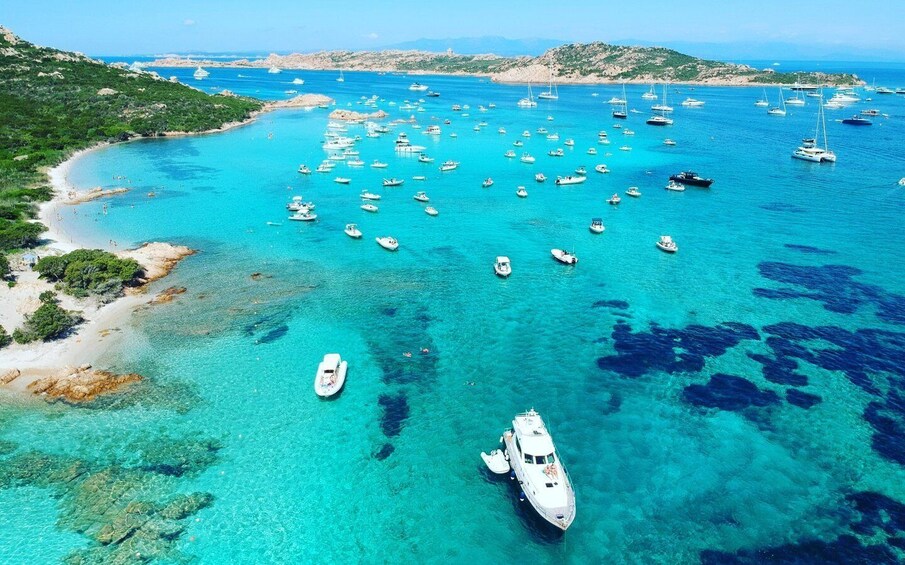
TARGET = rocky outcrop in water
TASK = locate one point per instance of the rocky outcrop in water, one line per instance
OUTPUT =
(81, 384)
(352, 116)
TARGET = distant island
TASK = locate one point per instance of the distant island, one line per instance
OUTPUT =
(589, 63)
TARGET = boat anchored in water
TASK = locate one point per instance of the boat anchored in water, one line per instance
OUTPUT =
(564, 256)
(421, 196)
(633, 192)
(393, 182)
(692, 178)
(667, 244)
(488, 182)
(502, 267)
(388, 243)
(614, 200)
(541, 474)
(675, 186)
(352, 231)
(596, 225)
(331, 375)
(521, 192)
(449, 166)
(562, 181)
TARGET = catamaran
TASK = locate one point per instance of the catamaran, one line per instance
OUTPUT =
(552, 92)
(650, 95)
(527, 102)
(809, 151)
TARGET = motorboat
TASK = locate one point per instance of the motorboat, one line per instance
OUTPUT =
(419, 177)
(502, 267)
(627, 131)
(592, 151)
(509, 154)
(449, 166)
(425, 159)
(297, 205)
(331, 375)
(388, 243)
(456, 108)
(564, 256)
(542, 131)
(200, 73)
(553, 137)
(562, 181)
(601, 168)
(675, 186)
(303, 216)
(432, 94)
(325, 168)
(297, 80)
(526, 133)
(488, 182)
(596, 225)
(669, 142)
(304, 170)
(501, 131)
(870, 112)
(365, 195)
(433, 130)
(616, 101)
(667, 244)
(556, 152)
(355, 163)
(857, 120)
(692, 178)
(352, 231)
(614, 200)
(540, 177)
(633, 192)
(393, 182)
(518, 143)
(581, 171)
(569, 143)
(625, 148)
(368, 207)
(431, 211)
(692, 103)
(274, 71)
(342, 180)
(417, 87)
(421, 196)
(527, 158)
(521, 192)
(378, 165)
(659, 121)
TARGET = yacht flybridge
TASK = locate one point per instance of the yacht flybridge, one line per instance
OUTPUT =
(541, 475)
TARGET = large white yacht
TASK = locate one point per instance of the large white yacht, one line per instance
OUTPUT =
(540, 473)
(200, 73)
(331, 374)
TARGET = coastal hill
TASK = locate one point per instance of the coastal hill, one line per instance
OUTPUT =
(573, 63)
(54, 102)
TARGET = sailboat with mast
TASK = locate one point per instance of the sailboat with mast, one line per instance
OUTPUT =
(664, 108)
(809, 150)
(763, 102)
(552, 92)
(528, 102)
(781, 109)
(341, 78)
(649, 95)
(621, 112)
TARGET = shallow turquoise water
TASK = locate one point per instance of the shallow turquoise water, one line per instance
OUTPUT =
(659, 476)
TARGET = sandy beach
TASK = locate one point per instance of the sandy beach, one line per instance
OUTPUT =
(101, 329)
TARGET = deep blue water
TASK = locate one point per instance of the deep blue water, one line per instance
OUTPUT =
(739, 399)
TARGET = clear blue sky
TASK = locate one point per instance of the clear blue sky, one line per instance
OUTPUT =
(127, 27)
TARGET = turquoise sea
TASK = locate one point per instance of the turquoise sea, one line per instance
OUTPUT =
(740, 401)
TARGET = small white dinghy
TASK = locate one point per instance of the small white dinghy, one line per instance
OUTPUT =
(667, 244)
(388, 243)
(564, 256)
(521, 192)
(496, 461)
(431, 211)
(369, 207)
(352, 231)
(331, 375)
(421, 196)
(502, 267)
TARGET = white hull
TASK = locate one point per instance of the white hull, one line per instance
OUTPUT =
(328, 382)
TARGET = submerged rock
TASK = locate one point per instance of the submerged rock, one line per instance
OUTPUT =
(168, 295)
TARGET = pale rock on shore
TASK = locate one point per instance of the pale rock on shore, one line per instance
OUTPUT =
(80, 384)
(352, 116)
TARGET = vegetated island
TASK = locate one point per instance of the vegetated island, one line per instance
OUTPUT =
(576, 63)
(59, 302)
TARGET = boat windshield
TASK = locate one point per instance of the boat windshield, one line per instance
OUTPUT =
(541, 459)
